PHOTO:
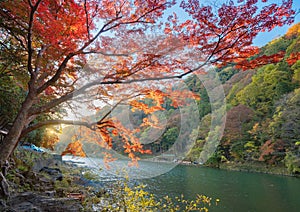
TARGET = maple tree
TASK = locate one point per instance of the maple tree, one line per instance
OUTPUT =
(236, 119)
(271, 151)
(49, 41)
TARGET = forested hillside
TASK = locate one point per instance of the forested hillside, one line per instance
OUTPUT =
(263, 111)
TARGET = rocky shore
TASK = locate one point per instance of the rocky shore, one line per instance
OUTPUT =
(42, 182)
(39, 202)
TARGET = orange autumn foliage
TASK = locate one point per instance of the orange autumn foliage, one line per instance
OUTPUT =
(270, 149)
(293, 31)
(74, 148)
(134, 44)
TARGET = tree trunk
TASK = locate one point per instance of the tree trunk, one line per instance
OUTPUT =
(7, 146)
(13, 136)
(4, 191)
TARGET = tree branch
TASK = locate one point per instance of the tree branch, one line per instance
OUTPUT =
(104, 28)
(29, 36)
(89, 125)
(54, 122)
(87, 19)
(107, 54)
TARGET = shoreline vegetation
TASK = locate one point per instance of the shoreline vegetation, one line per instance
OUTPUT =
(244, 167)
(80, 189)
(43, 182)
(251, 167)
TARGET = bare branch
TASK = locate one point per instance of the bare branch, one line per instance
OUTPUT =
(87, 19)
(54, 122)
(100, 123)
(39, 56)
(29, 36)
(107, 54)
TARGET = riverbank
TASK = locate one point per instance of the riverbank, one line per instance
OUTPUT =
(253, 167)
(43, 182)
(256, 168)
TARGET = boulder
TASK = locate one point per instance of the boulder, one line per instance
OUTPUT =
(37, 202)
(55, 173)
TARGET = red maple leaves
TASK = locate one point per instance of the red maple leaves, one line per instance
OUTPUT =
(57, 37)
(293, 58)
(225, 35)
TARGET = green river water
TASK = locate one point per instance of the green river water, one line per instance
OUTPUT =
(237, 191)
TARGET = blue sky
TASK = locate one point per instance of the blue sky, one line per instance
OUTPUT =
(264, 38)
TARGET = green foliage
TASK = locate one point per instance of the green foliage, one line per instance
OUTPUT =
(226, 73)
(294, 46)
(296, 69)
(169, 137)
(277, 45)
(11, 97)
(27, 158)
(215, 159)
(195, 85)
(273, 95)
(232, 93)
(285, 123)
(69, 182)
(195, 152)
(251, 149)
(89, 175)
(292, 163)
(266, 87)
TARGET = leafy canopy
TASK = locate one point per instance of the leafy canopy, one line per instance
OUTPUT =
(52, 40)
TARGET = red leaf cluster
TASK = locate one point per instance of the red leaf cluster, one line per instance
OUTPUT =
(293, 58)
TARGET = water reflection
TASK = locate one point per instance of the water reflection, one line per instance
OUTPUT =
(238, 191)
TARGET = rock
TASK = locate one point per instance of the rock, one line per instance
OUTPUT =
(50, 193)
(55, 173)
(54, 160)
(26, 206)
(2, 205)
(37, 202)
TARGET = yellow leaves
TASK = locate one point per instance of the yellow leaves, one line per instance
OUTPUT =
(293, 31)
(50, 138)
(72, 76)
(136, 198)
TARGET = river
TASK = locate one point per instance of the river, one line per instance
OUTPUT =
(237, 191)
